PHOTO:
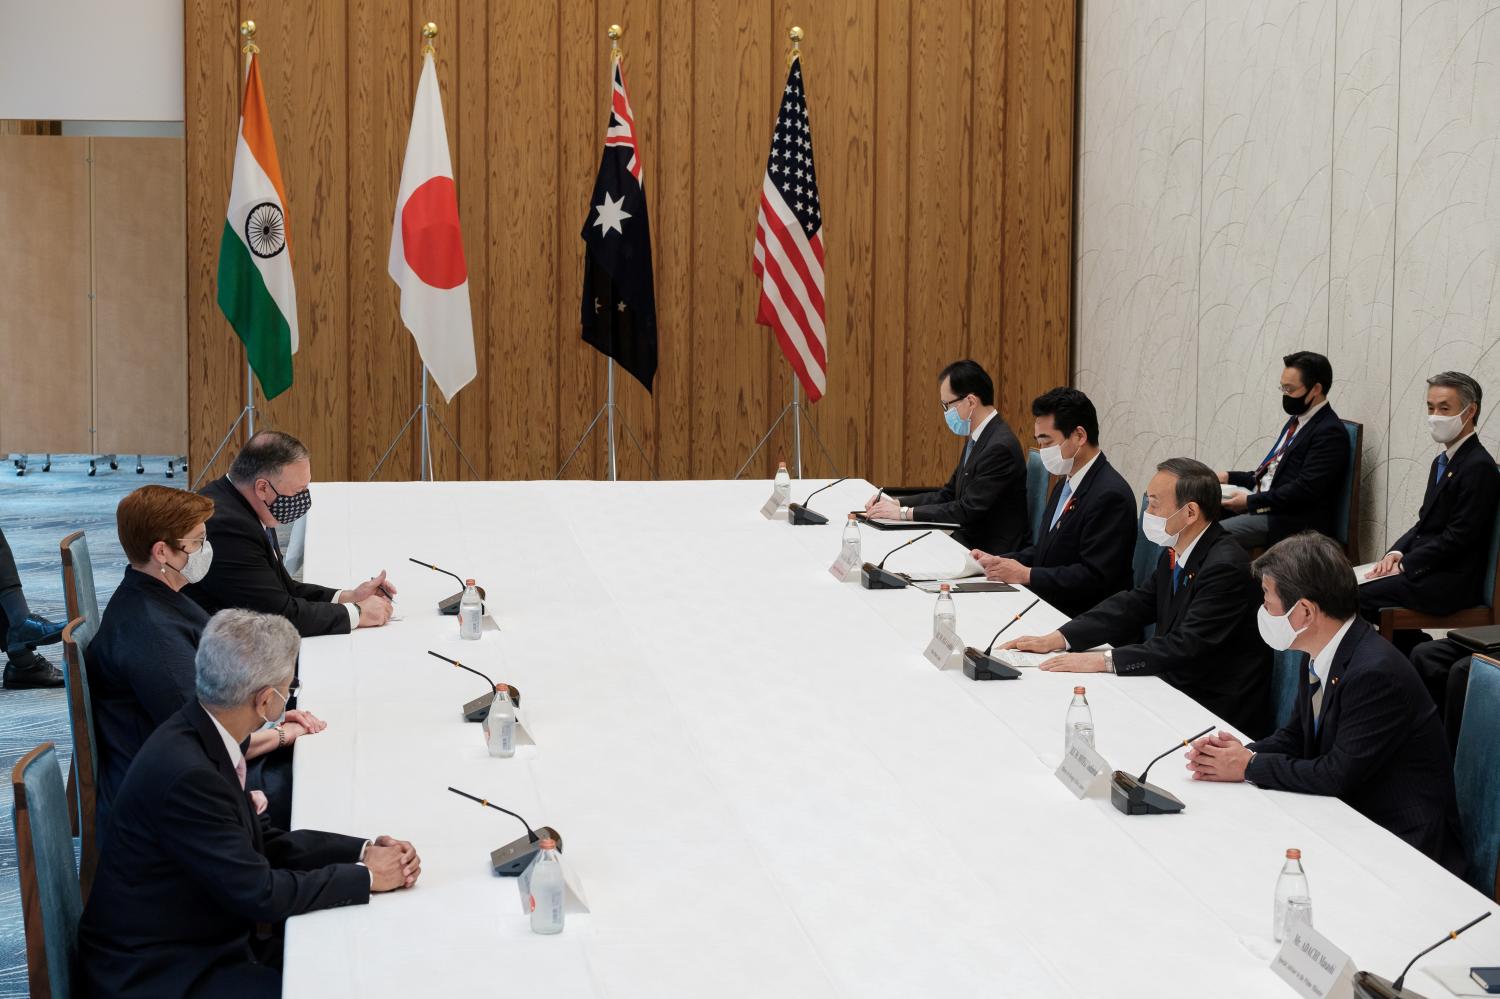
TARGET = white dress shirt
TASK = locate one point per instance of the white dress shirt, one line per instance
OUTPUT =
(1264, 482)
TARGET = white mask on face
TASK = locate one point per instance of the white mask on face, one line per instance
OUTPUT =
(1155, 529)
(1054, 462)
(198, 563)
(1277, 632)
(1445, 429)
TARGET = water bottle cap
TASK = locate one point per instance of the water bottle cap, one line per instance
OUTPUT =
(943, 588)
(501, 688)
(1294, 855)
(548, 843)
(851, 516)
(1078, 690)
(468, 582)
(780, 464)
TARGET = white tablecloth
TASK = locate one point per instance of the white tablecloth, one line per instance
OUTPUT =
(764, 787)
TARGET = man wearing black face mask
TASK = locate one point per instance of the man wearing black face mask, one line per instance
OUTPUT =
(1296, 486)
(268, 485)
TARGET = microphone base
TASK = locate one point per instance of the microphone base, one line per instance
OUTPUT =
(873, 577)
(510, 860)
(800, 516)
(1132, 797)
(478, 709)
(1368, 986)
(449, 605)
(978, 666)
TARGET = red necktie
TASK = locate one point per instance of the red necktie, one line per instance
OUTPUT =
(1291, 431)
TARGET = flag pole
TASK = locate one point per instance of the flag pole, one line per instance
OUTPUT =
(615, 31)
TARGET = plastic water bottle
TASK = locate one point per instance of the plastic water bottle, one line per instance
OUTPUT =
(1291, 887)
(783, 486)
(547, 890)
(851, 542)
(470, 613)
(500, 724)
(944, 612)
(1079, 723)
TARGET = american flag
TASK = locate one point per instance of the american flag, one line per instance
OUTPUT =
(789, 243)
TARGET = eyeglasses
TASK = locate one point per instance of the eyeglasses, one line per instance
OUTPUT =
(950, 402)
(1289, 389)
(196, 543)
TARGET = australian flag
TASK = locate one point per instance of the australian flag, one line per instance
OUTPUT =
(619, 297)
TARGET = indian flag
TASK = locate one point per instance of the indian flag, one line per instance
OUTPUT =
(255, 260)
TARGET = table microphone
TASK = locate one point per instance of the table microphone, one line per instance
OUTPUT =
(478, 709)
(1133, 796)
(799, 514)
(983, 666)
(1368, 986)
(511, 860)
(874, 577)
(449, 605)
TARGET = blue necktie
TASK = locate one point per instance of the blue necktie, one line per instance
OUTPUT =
(1442, 466)
(968, 446)
(1062, 502)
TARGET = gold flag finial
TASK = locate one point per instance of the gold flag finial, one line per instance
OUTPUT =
(429, 32)
(796, 52)
(615, 33)
(247, 32)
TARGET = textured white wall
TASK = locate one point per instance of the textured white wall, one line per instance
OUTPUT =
(1259, 176)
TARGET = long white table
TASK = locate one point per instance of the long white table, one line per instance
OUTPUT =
(764, 787)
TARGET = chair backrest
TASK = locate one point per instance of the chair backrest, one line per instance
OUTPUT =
(1476, 774)
(51, 905)
(1036, 492)
(1287, 671)
(76, 638)
(1143, 563)
(1346, 518)
(79, 596)
(1491, 577)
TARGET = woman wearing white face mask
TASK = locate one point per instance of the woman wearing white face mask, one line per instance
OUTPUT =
(141, 663)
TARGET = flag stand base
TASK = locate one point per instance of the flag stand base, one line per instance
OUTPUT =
(247, 417)
(798, 413)
(425, 410)
(609, 409)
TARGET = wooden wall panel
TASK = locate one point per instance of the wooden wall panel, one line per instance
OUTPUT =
(943, 135)
(140, 322)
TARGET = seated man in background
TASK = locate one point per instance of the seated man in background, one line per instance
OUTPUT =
(1201, 599)
(1297, 485)
(1438, 566)
(187, 870)
(1363, 730)
(25, 668)
(268, 485)
(1088, 529)
(141, 663)
(986, 495)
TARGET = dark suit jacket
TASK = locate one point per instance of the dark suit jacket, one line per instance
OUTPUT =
(985, 495)
(141, 671)
(1087, 555)
(246, 571)
(1380, 747)
(1446, 549)
(187, 871)
(1206, 643)
(1304, 492)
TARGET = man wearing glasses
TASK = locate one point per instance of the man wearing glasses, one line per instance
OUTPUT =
(1297, 485)
(986, 495)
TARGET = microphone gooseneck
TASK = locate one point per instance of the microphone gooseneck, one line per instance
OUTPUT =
(1185, 742)
(893, 551)
(1453, 935)
(460, 665)
(1012, 621)
(531, 836)
(434, 568)
(829, 486)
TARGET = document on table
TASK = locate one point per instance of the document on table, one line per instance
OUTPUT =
(1361, 570)
(968, 569)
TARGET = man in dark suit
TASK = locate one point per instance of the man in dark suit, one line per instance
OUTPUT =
(187, 871)
(1437, 567)
(25, 668)
(1088, 529)
(1296, 486)
(267, 485)
(986, 495)
(1201, 599)
(1363, 729)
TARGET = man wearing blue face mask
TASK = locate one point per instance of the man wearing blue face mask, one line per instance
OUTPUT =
(986, 495)
(268, 485)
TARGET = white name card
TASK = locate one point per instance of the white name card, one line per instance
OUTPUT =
(845, 567)
(944, 645)
(772, 507)
(1082, 767)
(1313, 966)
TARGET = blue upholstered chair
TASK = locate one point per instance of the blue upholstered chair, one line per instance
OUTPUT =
(84, 778)
(1143, 563)
(1036, 492)
(79, 596)
(1476, 773)
(51, 905)
(1346, 521)
(1288, 669)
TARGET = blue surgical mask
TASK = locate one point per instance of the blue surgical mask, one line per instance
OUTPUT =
(280, 719)
(956, 423)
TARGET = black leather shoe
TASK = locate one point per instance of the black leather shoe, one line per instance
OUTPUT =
(28, 670)
(35, 630)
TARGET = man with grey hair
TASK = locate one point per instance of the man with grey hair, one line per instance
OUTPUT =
(1437, 567)
(1200, 599)
(187, 871)
(1362, 729)
(268, 485)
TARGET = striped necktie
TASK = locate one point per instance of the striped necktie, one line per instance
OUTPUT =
(1315, 688)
